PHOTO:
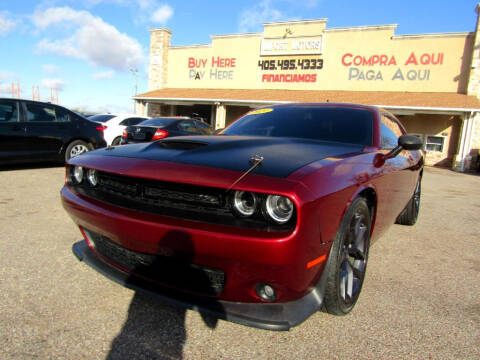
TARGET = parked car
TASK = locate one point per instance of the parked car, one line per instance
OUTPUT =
(115, 124)
(263, 224)
(160, 128)
(32, 131)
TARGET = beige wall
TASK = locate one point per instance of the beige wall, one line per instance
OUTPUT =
(441, 125)
(426, 63)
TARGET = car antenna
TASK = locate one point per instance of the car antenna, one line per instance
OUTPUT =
(255, 160)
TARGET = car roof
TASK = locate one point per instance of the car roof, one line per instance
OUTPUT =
(30, 101)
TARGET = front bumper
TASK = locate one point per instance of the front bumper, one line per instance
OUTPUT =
(274, 316)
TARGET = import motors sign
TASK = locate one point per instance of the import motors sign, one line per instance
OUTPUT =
(305, 45)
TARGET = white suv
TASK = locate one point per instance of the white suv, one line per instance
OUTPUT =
(114, 124)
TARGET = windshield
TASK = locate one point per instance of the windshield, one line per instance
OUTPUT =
(160, 122)
(100, 118)
(339, 124)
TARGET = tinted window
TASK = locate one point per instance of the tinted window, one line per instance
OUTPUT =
(100, 118)
(203, 128)
(187, 125)
(62, 115)
(131, 121)
(337, 124)
(160, 122)
(135, 121)
(40, 113)
(8, 111)
(390, 132)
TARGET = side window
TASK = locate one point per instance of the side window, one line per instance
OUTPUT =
(136, 121)
(131, 121)
(62, 115)
(8, 111)
(390, 132)
(203, 128)
(187, 125)
(38, 112)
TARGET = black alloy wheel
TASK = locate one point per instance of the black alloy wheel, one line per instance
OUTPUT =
(353, 260)
(416, 198)
(348, 258)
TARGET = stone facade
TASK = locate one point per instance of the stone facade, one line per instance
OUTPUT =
(158, 69)
(474, 80)
(473, 156)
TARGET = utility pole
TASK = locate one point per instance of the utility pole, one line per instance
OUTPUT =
(135, 71)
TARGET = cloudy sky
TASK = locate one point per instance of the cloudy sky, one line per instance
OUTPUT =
(87, 48)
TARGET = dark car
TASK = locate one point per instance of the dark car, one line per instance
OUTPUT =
(263, 224)
(32, 131)
(162, 127)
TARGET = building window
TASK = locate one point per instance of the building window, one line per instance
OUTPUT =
(434, 143)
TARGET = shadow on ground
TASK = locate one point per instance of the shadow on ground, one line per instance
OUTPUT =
(154, 329)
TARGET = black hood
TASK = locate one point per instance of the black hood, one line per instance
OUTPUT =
(282, 156)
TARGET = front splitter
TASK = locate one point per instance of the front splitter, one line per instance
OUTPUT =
(276, 316)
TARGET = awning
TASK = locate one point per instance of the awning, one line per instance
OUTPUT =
(406, 101)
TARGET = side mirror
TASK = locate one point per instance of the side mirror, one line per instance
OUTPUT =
(410, 142)
(405, 142)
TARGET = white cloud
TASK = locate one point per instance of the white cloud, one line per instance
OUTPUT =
(7, 24)
(93, 39)
(53, 83)
(146, 4)
(251, 19)
(50, 69)
(104, 75)
(162, 14)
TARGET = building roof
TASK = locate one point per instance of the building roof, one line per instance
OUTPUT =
(388, 99)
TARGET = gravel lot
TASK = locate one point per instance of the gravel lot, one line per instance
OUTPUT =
(420, 300)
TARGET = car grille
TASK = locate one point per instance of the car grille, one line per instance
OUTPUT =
(161, 269)
(191, 202)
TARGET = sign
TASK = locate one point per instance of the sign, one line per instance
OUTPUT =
(213, 68)
(305, 45)
(383, 66)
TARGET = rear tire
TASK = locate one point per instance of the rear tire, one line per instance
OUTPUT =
(76, 148)
(409, 215)
(117, 141)
(347, 261)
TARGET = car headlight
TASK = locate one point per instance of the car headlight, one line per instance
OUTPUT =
(92, 177)
(279, 208)
(245, 203)
(78, 174)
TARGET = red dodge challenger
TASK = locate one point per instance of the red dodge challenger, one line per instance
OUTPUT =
(262, 224)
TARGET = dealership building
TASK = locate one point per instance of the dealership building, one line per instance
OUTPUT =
(431, 82)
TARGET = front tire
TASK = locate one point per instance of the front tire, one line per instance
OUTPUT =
(347, 262)
(76, 148)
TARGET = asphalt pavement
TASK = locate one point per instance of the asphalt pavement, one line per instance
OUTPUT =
(420, 300)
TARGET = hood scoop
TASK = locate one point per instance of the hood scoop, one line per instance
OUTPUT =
(181, 145)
